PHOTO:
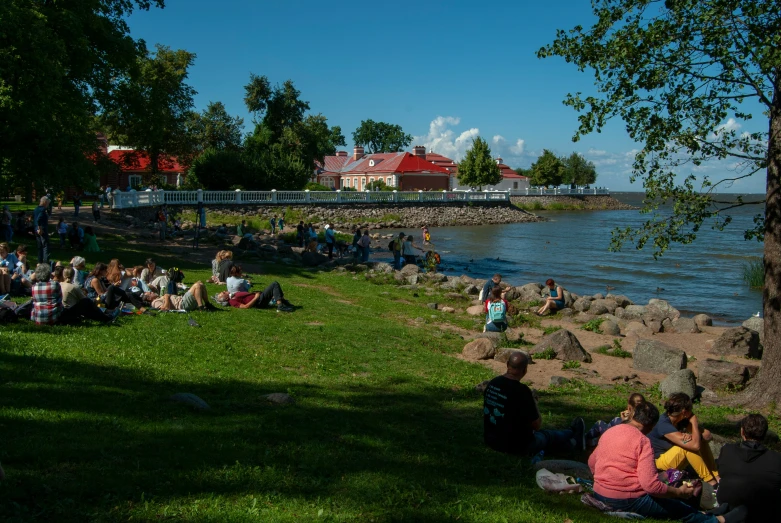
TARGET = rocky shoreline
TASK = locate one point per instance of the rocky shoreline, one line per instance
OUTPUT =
(585, 202)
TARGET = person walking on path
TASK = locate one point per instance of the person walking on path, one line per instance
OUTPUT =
(95, 211)
(330, 240)
(398, 245)
(274, 224)
(41, 226)
(281, 223)
(62, 230)
(364, 243)
(76, 205)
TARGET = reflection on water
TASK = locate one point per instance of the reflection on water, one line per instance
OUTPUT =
(572, 248)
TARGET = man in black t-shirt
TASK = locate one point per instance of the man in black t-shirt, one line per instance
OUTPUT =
(511, 420)
(750, 472)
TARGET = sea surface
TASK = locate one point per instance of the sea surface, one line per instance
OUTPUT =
(573, 249)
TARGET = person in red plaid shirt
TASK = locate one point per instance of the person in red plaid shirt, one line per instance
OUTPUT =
(47, 303)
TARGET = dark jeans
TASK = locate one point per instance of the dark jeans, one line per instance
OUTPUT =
(658, 508)
(75, 210)
(496, 326)
(556, 441)
(397, 260)
(272, 291)
(330, 247)
(43, 248)
(410, 259)
(84, 309)
(114, 295)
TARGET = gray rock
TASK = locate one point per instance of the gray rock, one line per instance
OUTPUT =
(513, 335)
(409, 270)
(502, 355)
(584, 317)
(568, 299)
(758, 326)
(598, 307)
(565, 345)
(703, 320)
(313, 259)
(567, 467)
(437, 277)
(558, 380)
(632, 313)
(475, 310)
(724, 375)
(382, 267)
(610, 328)
(467, 280)
(449, 310)
(654, 325)
(479, 349)
(667, 325)
(738, 341)
(512, 294)
(531, 287)
(662, 305)
(412, 279)
(637, 328)
(620, 300)
(190, 399)
(679, 381)
(495, 336)
(685, 325)
(619, 312)
(655, 356)
(279, 398)
(598, 296)
(610, 305)
(432, 305)
(471, 290)
(581, 305)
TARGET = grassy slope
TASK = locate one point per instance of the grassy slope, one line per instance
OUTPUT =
(385, 427)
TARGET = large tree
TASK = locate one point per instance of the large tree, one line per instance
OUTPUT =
(215, 128)
(58, 65)
(547, 170)
(675, 72)
(478, 168)
(156, 108)
(578, 170)
(381, 137)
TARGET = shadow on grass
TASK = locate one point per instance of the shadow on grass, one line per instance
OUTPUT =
(102, 442)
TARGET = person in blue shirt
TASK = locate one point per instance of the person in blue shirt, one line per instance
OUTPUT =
(555, 301)
(274, 224)
(330, 240)
(41, 226)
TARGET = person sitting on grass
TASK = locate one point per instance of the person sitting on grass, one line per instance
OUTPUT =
(109, 295)
(750, 472)
(80, 273)
(194, 298)
(224, 267)
(625, 477)
(599, 428)
(8, 263)
(48, 308)
(235, 282)
(90, 240)
(271, 295)
(76, 236)
(152, 275)
(553, 302)
(512, 421)
(496, 312)
(679, 440)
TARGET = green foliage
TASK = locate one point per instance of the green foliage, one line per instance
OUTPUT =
(550, 329)
(674, 73)
(379, 185)
(547, 170)
(313, 186)
(616, 350)
(214, 128)
(478, 168)
(571, 364)
(381, 137)
(59, 62)
(218, 170)
(754, 273)
(578, 170)
(547, 354)
(592, 325)
(155, 110)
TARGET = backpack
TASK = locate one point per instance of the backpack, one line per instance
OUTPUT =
(8, 314)
(496, 311)
(392, 246)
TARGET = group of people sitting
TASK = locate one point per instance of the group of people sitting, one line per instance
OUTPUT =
(496, 307)
(238, 292)
(632, 449)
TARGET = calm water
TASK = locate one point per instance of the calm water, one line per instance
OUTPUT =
(572, 248)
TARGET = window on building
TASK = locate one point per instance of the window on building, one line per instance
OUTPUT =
(328, 181)
(345, 182)
(515, 185)
(134, 181)
(371, 179)
(389, 181)
(355, 183)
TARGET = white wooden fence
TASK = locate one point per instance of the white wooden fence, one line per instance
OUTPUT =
(126, 200)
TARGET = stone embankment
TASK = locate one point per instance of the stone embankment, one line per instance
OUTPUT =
(586, 202)
(379, 216)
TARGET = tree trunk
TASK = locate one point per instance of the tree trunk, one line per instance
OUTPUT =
(765, 389)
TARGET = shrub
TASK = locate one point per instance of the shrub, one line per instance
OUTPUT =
(312, 186)
(547, 354)
(754, 273)
(615, 350)
(571, 364)
(593, 325)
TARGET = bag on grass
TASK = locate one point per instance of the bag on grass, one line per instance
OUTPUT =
(560, 483)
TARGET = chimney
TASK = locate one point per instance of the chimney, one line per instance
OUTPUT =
(499, 160)
(357, 152)
(341, 154)
(419, 150)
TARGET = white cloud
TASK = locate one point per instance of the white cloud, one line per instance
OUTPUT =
(596, 152)
(442, 139)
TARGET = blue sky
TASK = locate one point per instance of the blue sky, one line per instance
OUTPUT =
(443, 70)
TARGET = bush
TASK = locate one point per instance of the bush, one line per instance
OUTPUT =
(615, 350)
(754, 273)
(312, 186)
(571, 364)
(593, 325)
(547, 354)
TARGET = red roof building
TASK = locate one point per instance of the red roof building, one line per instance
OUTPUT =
(134, 165)
(403, 170)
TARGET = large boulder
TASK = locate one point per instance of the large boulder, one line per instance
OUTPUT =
(475, 310)
(632, 313)
(313, 259)
(565, 345)
(410, 269)
(703, 320)
(598, 307)
(502, 355)
(637, 328)
(513, 335)
(512, 294)
(757, 325)
(609, 305)
(383, 267)
(610, 328)
(471, 290)
(619, 299)
(725, 375)
(679, 381)
(685, 325)
(581, 304)
(738, 341)
(479, 349)
(436, 277)
(655, 356)
(662, 305)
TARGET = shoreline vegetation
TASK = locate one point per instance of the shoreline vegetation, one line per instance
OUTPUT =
(383, 421)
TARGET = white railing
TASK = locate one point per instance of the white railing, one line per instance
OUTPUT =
(559, 191)
(126, 200)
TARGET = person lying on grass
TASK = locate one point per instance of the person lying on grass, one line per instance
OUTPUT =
(599, 428)
(512, 421)
(271, 295)
(194, 298)
(625, 477)
(679, 440)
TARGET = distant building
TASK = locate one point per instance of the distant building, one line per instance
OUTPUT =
(133, 166)
(404, 171)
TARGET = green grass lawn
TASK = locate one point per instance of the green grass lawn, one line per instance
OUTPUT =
(386, 425)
